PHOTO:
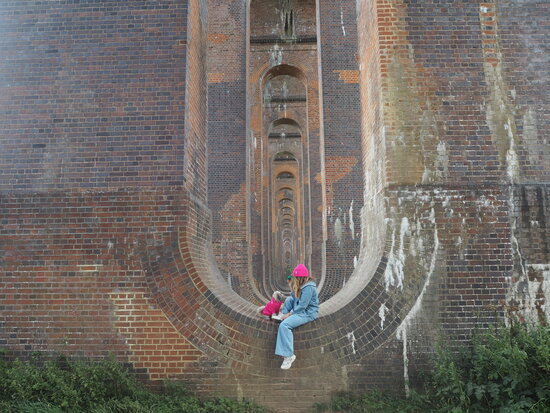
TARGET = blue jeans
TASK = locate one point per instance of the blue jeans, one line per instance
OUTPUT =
(285, 339)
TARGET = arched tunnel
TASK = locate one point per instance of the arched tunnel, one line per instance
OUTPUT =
(297, 192)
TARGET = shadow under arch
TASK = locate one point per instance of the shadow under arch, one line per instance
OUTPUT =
(284, 70)
(285, 175)
(285, 121)
(285, 156)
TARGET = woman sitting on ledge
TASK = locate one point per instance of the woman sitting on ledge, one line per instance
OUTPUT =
(300, 308)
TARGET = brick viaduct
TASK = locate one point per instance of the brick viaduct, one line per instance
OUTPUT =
(164, 162)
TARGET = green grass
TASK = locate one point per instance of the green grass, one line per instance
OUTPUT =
(68, 385)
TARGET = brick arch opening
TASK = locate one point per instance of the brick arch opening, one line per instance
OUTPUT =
(193, 293)
(287, 238)
(285, 129)
(285, 69)
(285, 121)
(280, 81)
(283, 133)
(281, 74)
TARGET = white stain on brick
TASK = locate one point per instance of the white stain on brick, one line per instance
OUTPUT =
(512, 163)
(418, 303)
(229, 279)
(515, 246)
(351, 223)
(382, 314)
(404, 326)
(342, 19)
(338, 231)
(544, 288)
(388, 273)
(275, 56)
(401, 255)
(402, 335)
(531, 136)
(351, 338)
(442, 160)
(531, 293)
(396, 261)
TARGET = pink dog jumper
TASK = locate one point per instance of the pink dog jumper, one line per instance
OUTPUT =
(272, 307)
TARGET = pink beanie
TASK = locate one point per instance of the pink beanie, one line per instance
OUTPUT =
(300, 271)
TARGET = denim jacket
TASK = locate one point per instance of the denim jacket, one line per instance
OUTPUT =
(307, 304)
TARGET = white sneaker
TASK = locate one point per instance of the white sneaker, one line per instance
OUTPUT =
(276, 317)
(287, 362)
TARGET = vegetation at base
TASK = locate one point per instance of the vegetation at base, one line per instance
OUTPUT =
(67, 385)
(504, 370)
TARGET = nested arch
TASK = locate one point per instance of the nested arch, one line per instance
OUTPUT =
(286, 235)
(284, 87)
(207, 310)
(285, 175)
(286, 121)
(284, 81)
(282, 131)
(284, 139)
(285, 128)
(284, 156)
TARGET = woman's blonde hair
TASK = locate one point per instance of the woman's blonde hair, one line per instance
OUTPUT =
(298, 283)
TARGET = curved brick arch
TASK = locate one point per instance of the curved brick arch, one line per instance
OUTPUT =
(293, 66)
(284, 69)
(182, 278)
(285, 121)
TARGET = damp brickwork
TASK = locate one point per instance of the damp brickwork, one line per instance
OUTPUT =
(519, 69)
(528, 297)
(227, 150)
(125, 217)
(342, 141)
(196, 144)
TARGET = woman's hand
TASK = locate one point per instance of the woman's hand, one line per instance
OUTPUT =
(285, 316)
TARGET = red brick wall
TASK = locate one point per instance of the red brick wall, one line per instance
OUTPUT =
(227, 141)
(92, 95)
(454, 119)
(341, 140)
(112, 195)
(94, 109)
